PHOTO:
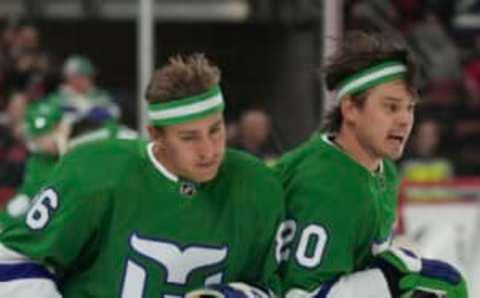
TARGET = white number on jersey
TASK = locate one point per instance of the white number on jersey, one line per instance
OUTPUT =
(310, 248)
(40, 213)
(308, 254)
(283, 240)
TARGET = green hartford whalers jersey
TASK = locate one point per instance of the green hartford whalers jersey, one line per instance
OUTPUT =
(112, 222)
(339, 213)
(39, 166)
(37, 170)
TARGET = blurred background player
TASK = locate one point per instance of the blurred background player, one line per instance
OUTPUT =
(78, 93)
(43, 129)
(341, 186)
(45, 142)
(13, 151)
(135, 219)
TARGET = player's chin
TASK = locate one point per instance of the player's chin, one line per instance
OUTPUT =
(205, 175)
(393, 150)
(394, 154)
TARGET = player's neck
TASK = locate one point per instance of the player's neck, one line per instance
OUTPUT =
(167, 168)
(350, 144)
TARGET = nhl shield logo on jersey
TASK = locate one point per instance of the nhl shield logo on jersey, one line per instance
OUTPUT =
(188, 188)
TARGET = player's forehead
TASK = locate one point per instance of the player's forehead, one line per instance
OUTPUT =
(395, 91)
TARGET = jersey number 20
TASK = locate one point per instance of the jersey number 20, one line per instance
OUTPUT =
(311, 244)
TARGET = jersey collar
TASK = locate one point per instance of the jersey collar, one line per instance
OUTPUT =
(158, 165)
(325, 138)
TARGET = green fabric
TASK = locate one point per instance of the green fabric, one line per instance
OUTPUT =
(417, 282)
(37, 170)
(41, 118)
(39, 166)
(110, 130)
(112, 200)
(326, 188)
(161, 106)
(185, 103)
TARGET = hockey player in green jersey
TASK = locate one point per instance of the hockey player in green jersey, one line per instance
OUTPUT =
(152, 219)
(341, 186)
(45, 140)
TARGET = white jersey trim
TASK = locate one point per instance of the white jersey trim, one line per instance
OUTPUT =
(327, 140)
(158, 165)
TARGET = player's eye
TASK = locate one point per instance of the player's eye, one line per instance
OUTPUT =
(215, 130)
(188, 138)
(391, 107)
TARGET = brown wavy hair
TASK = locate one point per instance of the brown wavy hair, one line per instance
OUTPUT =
(182, 76)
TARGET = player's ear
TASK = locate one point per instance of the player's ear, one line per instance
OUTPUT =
(154, 133)
(348, 109)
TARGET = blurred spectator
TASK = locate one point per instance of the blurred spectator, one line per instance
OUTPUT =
(439, 56)
(377, 14)
(437, 52)
(26, 65)
(27, 39)
(254, 134)
(9, 36)
(424, 163)
(22, 70)
(442, 102)
(462, 17)
(12, 149)
(45, 79)
(472, 81)
(79, 94)
(232, 133)
(15, 111)
(467, 128)
(411, 10)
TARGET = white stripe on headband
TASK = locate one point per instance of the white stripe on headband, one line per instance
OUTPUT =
(369, 78)
(187, 110)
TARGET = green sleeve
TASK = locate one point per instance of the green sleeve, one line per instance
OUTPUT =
(262, 196)
(268, 228)
(65, 217)
(324, 239)
(37, 171)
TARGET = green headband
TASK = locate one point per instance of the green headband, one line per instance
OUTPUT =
(187, 109)
(370, 77)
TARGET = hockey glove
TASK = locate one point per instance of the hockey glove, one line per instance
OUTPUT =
(409, 276)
